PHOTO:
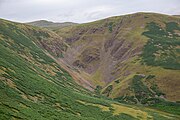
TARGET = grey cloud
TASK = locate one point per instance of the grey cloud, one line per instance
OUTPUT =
(81, 10)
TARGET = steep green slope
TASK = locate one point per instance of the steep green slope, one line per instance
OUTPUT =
(33, 86)
(110, 53)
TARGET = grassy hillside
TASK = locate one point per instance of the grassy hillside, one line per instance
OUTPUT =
(109, 53)
(33, 86)
(132, 59)
(50, 25)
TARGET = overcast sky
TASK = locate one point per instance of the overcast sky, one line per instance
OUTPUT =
(81, 11)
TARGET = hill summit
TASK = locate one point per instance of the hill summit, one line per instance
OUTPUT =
(49, 24)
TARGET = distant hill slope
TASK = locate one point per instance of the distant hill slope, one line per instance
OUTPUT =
(133, 58)
(176, 15)
(50, 25)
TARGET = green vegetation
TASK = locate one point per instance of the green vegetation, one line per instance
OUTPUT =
(108, 90)
(162, 48)
(110, 26)
(142, 94)
(98, 89)
(122, 117)
(150, 77)
(117, 81)
(148, 96)
(170, 107)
